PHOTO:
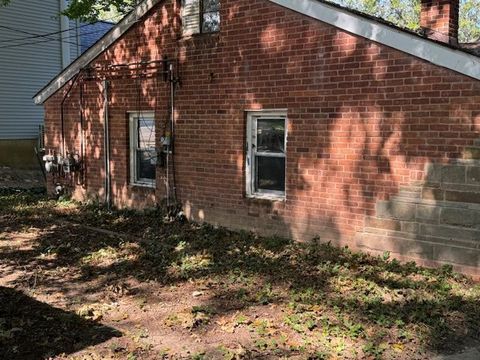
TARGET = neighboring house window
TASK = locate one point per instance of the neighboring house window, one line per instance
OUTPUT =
(143, 157)
(200, 16)
(266, 150)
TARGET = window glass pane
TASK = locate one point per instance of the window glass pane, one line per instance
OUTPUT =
(211, 5)
(146, 160)
(146, 133)
(211, 22)
(271, 135)
(270, 173)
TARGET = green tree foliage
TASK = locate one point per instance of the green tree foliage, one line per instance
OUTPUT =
(469, 21)
(403, 13)
(92, 10)
(406, 14)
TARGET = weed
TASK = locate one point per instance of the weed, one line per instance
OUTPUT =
(375, 350)
(203, 309)
(265, 295)
(354, 330)
(301, 322)
(201, 355)
(275, 243)
(242, 319)
(194, 263)
(311, 298)
(241, 294)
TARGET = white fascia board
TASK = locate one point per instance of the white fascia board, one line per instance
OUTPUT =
(100, 46)
(417, 46)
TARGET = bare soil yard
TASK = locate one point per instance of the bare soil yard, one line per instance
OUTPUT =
(80, 282)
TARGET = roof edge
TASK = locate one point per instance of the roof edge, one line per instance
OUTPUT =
(397, 38)
(91, 54)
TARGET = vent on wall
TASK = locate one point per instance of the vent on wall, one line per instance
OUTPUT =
(191, 17)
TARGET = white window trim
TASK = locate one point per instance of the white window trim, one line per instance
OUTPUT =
(133, 127)
(250, 154)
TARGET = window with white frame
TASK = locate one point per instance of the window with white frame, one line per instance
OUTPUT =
(143, 156)
(200, 16)
(266, 154)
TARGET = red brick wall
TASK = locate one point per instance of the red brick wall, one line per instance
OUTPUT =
(363, 118)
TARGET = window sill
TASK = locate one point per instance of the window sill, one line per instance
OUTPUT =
(143, 186)
(200, 36)
(267, 197)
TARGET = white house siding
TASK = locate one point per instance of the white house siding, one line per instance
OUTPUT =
(74, 38)
(25, 69)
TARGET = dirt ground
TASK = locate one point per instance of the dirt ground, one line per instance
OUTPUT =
(80, 282)
(20, 178)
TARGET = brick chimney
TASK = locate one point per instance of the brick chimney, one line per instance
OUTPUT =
(439, 20)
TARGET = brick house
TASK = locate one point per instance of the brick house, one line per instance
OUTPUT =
(296, 118)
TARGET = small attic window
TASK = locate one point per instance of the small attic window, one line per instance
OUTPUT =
(200, 16)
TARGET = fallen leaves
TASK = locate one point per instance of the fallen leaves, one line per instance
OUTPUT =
(237, 293)
(94, 311)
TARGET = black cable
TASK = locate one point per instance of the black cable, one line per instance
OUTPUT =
(62, 111)
(49, 40)
(34, 35)
(67, 37)
(41, 36)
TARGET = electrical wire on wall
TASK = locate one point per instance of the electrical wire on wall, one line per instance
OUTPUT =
(167, 144)
(139, 72)
(141, 116)
(166, 148)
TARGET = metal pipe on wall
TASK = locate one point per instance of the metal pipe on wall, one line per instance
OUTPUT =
(106, 133)
(82, 136)
(172, 125)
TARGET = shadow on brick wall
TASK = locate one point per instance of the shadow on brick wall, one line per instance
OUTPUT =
(364, 119)
(436, 221)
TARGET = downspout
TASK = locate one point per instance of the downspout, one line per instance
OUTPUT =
(172, 129)
(65, 35)
(108, 199)
(82, 136)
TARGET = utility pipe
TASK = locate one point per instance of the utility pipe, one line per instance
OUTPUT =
(82, 135)
(172, 126)
(106, 136)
